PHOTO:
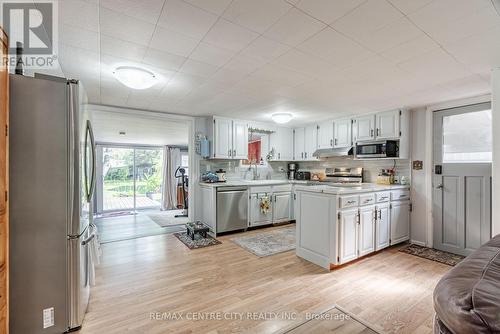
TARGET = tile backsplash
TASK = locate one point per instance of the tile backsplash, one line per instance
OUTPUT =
(277, 170)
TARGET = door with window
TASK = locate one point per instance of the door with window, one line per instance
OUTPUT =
(462, 178)
(131, 178)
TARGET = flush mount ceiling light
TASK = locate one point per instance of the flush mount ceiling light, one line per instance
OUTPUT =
(135, 77)
(282, 117)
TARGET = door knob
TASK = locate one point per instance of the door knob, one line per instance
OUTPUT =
(439, 186)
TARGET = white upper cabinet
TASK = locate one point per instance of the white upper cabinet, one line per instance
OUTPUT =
(325, 135)
(240, 140)
(387, 126)
(223, 136)
(299, 144)
(342, 133)
(310, 141)
(282, 142)
(364, 128)
(230, 139)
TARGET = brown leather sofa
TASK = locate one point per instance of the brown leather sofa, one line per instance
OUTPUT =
(467, 298)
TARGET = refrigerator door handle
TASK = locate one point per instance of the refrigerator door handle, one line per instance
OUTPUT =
(74, 162)
(94, 161)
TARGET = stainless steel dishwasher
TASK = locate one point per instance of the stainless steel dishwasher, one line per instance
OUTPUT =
(232, 209)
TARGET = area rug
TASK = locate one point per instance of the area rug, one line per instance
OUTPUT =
(198, 242)
(333, 320)
(433, 254)
(167, 218)
(268, 243)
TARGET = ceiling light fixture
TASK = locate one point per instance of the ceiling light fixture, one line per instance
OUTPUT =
(282, 117)
(135, 77)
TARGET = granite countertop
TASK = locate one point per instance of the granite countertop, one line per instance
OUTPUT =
(363, 188)
(308, 186)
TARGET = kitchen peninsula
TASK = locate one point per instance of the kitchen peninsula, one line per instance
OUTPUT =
(336, 225)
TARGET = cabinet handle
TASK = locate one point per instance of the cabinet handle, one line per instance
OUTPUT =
(234, 153)
(336, 141)
(305, 155)
(378, 132)
(371, 132)
(379, 214)
(302, 155)
(229, 153)
(279, 155)
(331, 142)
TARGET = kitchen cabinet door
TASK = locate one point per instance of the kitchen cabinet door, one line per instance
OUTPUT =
(364, 128)
(348, 221)
(310, 142)
(256, 216)
(240, 140)
(299, 144)
(387, 125)
(281, 206)
(342, 133)
(366, 230)
(383, 227)
(282, 142)
(400, 222)
(223, 133)
(325, 135)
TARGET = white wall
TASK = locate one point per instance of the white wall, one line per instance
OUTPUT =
(421, 138)
(495, 99)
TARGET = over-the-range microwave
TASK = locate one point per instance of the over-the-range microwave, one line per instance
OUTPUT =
(378, 149)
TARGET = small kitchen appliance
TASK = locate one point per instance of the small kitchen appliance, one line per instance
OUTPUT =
(302, 176)
(292, 169)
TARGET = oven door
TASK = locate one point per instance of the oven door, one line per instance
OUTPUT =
(372, 150)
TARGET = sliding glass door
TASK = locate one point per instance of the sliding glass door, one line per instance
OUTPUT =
(131, 178)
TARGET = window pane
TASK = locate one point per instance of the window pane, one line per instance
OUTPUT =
(467, 137)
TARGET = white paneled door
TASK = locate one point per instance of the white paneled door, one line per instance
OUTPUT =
(388, 124)
(383, 226)
(348, 221)
(342, 133)
(462, 178)
(364, 128)
(325, 135)
(223, 138)
(366, 230)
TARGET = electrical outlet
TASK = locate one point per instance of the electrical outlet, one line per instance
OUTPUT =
(48, 317)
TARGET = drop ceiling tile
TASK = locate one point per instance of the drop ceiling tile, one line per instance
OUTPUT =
(173, 42)
(294, 28)
(409, 6)
(480, 53)
(148, 11)
(163, 59)
(244, 64)
(116, 47)
(226, 78)
(256, 15)
(197, 68)
(447, 30)
(304, 63)
(227, 35)
(265, 48)
(79, 14)
(280, 75)
(334, 48)
(370, 16)
(186, 19)
(328, 10)
(78, 37)
(211, 54)
(214, 6)
(138, 103)
(392, 35)
(435, 67)
(125, 27)
(410, 49)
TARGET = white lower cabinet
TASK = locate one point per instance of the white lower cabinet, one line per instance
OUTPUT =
(383, 226)
(348, 239)
(366, 230)
(400, 221)
(282, 206)
(257, 217)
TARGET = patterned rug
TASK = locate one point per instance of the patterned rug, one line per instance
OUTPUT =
(198, 242)
(268, 243)
(433, 254)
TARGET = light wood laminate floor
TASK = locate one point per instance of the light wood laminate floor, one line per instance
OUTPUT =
(391, 290)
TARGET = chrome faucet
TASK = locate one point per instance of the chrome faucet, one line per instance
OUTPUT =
(256, 175)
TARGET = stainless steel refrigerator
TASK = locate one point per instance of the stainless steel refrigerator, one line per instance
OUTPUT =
(52, 181)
